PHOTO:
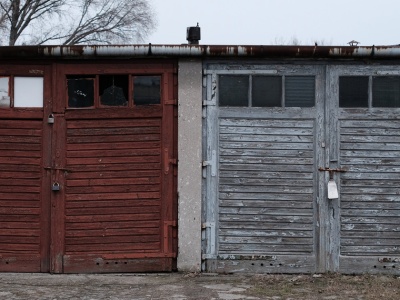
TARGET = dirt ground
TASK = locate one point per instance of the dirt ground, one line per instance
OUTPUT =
(198, 286)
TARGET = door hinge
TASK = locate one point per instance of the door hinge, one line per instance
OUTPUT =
(212, 163)
(171, 102)
(209, 102)
(168, 161)
(210, 226)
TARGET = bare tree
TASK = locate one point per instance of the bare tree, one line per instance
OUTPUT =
(70, 22)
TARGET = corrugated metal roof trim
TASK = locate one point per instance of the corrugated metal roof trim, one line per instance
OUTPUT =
(200, 51)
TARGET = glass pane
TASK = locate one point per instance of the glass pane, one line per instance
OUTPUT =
(353, 91)
(300, 91)
(267, 91)
(233, 90)
(113, 90)
(4, 92)
(28, 92)
(147, 90)
(386, 92)
(80, 91)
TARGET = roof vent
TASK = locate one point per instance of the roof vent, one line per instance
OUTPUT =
(193, 35)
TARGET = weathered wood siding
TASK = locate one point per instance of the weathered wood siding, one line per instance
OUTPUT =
(266, 170)
(20, 194)
(370, 200)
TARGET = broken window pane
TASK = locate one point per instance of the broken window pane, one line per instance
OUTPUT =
(233, 90)
(147, 90)
(386, 92)
(267, 91)
(28, 92)
(80, 91)
(113, 90)
(4, 92)
(353, 91)
(300, 91)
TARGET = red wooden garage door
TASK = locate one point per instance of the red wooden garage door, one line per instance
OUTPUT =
(24, 193)
(114, 182)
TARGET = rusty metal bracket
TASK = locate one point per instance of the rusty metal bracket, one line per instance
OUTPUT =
(333, 170)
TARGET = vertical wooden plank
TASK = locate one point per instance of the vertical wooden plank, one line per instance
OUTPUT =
(45, 222)
(57, 176)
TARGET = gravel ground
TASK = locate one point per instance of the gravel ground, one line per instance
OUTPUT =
(197, 286)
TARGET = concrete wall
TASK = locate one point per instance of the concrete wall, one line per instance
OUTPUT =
(189, 164)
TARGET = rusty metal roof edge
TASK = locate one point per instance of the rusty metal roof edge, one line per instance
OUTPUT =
(149, 50)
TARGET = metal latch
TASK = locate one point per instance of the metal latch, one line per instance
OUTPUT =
(212, 163)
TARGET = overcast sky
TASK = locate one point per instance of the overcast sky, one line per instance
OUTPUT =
(265, 22)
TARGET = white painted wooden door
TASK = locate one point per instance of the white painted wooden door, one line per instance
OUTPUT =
(363, 137)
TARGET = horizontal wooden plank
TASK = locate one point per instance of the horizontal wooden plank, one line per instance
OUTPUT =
(20, 139)
(369, 154)
(365, 228)
(108, 218)
(395, 162)
(112, 196)
(111, 160)
(370, 146)
(19, 153)
(379, 176)
(17, 132)
(226, 241)
(301, 139)
(368, 265)
(19, 240)
(145, 111)
(113, 181)
(19, 211)
(375, 168)
(265, 182)
(369, 190)
(371, 205)
(19, 232)
(263, 248)
(367, 237)
(266, 204)
(123, 232)
(268, 189)
(114, 167)
(266, 211)
(112, 203)
(17, 249)
(111, 248)
(369, 197)
(11, 160)
(355, 219)
(114, 131)
(265, 145)
(271, 123)
(113, 123)
(19, 175)
(385, 123)
(20, 168)
(265, 167)
(114, 145)
(263, 232)
(259, 225)
(265, 174)
(370, 131)
(20, 183)
(265, 160)
(27, 219)
(22, 125)
(370, 212)
(265, 196)
(113, 139)
(370, 138)
(369, 250)
(15, 225)
(20, 189)
(18, 203)
(266, 130)
(111, 211)
(113, 153)
(113, 224)
(381, 183)
(103, 240)
(113, 174)
(12, 195)
(303, 219)
(266, 152)
(113, 189)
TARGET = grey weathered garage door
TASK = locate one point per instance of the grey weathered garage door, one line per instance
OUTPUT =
(272, 133)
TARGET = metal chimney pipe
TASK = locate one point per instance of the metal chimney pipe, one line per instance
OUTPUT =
(193, 35)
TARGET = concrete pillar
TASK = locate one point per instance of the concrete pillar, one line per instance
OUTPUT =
(189, 164)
